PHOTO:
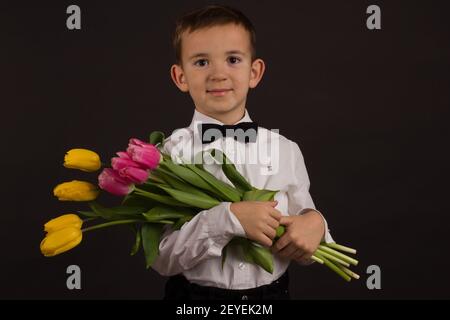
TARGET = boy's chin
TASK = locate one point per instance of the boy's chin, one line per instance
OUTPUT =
(219, 109)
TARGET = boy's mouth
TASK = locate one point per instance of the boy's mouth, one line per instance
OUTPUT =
(218, 92)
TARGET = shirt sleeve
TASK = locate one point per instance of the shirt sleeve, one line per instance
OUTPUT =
(203, 237)
(299, 198)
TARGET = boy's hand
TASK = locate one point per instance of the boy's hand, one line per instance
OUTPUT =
(302, 236)
(259, 219)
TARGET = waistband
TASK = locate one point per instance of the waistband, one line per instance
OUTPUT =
(178, 287)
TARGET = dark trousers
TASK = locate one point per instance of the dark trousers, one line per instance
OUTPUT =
(179, 288)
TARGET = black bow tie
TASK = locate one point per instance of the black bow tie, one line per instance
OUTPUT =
(209, 132)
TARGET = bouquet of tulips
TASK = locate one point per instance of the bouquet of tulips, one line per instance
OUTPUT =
(156, 192)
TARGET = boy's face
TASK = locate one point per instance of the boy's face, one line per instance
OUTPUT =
(217, 69)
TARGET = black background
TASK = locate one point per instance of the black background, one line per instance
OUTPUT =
(369, 110)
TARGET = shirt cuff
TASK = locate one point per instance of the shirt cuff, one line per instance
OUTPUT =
(327, 236)
(223, 225)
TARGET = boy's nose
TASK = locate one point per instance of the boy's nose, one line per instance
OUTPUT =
(218, 77)
(217, 74)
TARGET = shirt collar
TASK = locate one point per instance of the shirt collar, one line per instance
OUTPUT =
(203, 118)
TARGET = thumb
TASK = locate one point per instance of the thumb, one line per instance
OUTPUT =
(273, 203)
(286, 220)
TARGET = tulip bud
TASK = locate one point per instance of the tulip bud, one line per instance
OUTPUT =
(279, 231)
(64, 221)
(60, 241)
(146, 154)
(82, 159)
(76, 191)
(111, 181)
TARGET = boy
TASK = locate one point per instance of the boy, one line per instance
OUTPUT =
(217, 64)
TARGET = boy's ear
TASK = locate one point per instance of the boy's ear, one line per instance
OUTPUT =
(177, 74)
(257, 71)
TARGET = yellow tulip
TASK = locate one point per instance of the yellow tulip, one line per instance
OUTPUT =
(76, 191)
(60, 241)
(64, 221)
(82, 159)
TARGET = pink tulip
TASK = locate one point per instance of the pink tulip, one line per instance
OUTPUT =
(146, 154)
(123, 155)
(140, 143)
(136, 175)
(112, 182)
(129, 169)
(120, 163)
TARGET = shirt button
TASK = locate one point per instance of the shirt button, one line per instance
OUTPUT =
(241, 265)
(244, 298)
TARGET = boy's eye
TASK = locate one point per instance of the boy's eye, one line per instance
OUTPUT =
(234, 60)
(201, 62)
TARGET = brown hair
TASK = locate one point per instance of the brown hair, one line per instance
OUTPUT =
(209, 16)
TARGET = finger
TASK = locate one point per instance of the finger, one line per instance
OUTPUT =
(275, 214)
(265, 240)
(270, 232)
(286, 220)
(274, 203)
(298, 254)
(281, 243)
(273, 222)
(304, 259)
(288, 251)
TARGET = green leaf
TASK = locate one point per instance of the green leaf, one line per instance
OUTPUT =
(224, 254)
(153, 178)
(227, 192)
(279, 232)
(178, 184)
(133, 200)
(231, 172)
(89, 214)
(247, 255)
(100, 211)
(187, 175)
(166, 157)
(181, 222)
(157, 137)
(127, 210)
(159, 213)
(151, 234)
(160, 198)
(261, 256)
(151, 187)
(119, 212)
(259, 195)
(203, 202)
(137, 242)
(254, 253)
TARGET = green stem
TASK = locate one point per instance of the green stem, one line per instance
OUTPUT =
(112, 223)
(333, 267)
(339, 255)
(340, 247)
(316, 259)
(165, 221)
(349, 272)
(333, 258)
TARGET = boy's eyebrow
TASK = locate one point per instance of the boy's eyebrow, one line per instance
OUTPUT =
(202, 55)
(198, 55)
(236, 52)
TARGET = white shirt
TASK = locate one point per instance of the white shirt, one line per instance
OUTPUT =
(195, 250)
